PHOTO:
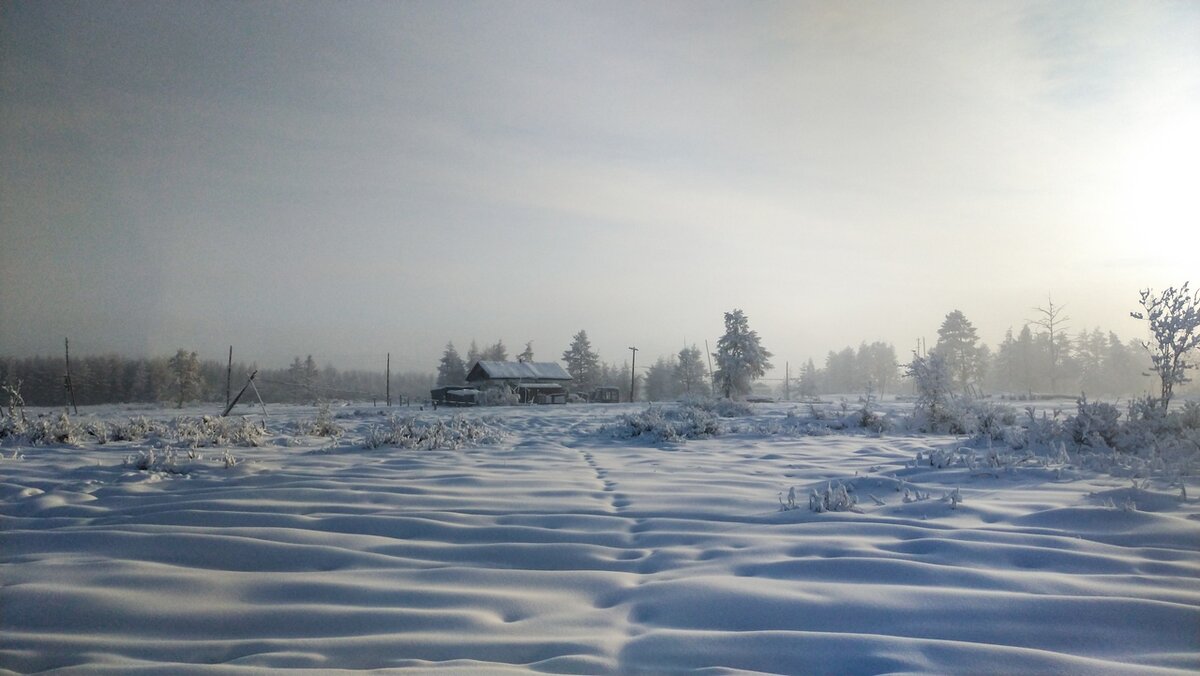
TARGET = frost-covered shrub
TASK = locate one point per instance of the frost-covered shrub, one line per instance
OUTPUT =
(791, 501)
(58, 429)
(498, 396)
(1189, 415)
(1043, 431)
(934, 410)
(835, 498)
(12, 427)
(1095, 424)
(14, 405)
(153, 460)
(171, 461)
(988, 419)
(98, 430)
(137, 429)
(419, 434)
(1146, 426)
(729, 408)
(216, 431)
(51, 429)
(953, 497)
(324, 425)
(867, 419)
(1168, 437)
(670, 424)
(913, 494)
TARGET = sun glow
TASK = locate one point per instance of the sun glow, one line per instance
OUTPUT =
(1160, 199)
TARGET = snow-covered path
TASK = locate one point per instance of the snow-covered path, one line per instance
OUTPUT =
(564, 549)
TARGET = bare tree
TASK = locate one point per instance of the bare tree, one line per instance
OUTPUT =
(1174, 318)
(1054, 324)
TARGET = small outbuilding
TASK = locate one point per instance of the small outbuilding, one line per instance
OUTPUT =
(605, 395)
(454, 396)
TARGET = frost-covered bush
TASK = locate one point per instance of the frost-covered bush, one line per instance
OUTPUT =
(13, 427)
(216, 431)
(1039, 431)
(835, 498)
(324, 425)
(137, 429)
(14, 405)
(953, 497)
(669, 424)
(934, 410)
(98, 430)
(59, 429)
(170, 460)
(791, 501)
(988, 419)
(1151, 432)
(498, 396)
(420, 434)
(1189, 415)
(153, 460)
(868, 419)
(1095, 424)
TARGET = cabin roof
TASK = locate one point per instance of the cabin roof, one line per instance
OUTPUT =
(517, 370)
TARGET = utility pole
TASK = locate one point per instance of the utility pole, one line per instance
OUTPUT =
(229, 376)
(787, 381)
(249, 383)
(633, 374)
(388, 377)
(67, 377)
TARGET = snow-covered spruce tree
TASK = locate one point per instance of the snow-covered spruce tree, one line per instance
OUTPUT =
(1174, 317)
(495, 352)
(304, 374)
(473, 355)
(526, 354)
(741, 358)
(185, 368)
(959, 346)
(878, 363)
(583, 364)
(451, 369)
(808, 379)
(690, 375)
(661, 384)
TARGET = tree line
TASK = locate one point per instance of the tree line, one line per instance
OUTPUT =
(1048, 360)
(1097, 362)
(184, 377)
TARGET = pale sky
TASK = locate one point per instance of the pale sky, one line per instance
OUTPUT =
(348, 179)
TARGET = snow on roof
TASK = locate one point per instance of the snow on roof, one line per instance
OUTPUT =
(517, 370)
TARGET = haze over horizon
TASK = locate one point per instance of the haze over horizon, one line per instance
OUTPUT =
(349, 179)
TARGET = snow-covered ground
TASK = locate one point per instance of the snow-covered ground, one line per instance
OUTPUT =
(558, 546)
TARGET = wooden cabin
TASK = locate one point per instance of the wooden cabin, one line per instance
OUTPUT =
(533, 382)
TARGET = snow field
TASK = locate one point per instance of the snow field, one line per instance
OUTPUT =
(564, 549)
